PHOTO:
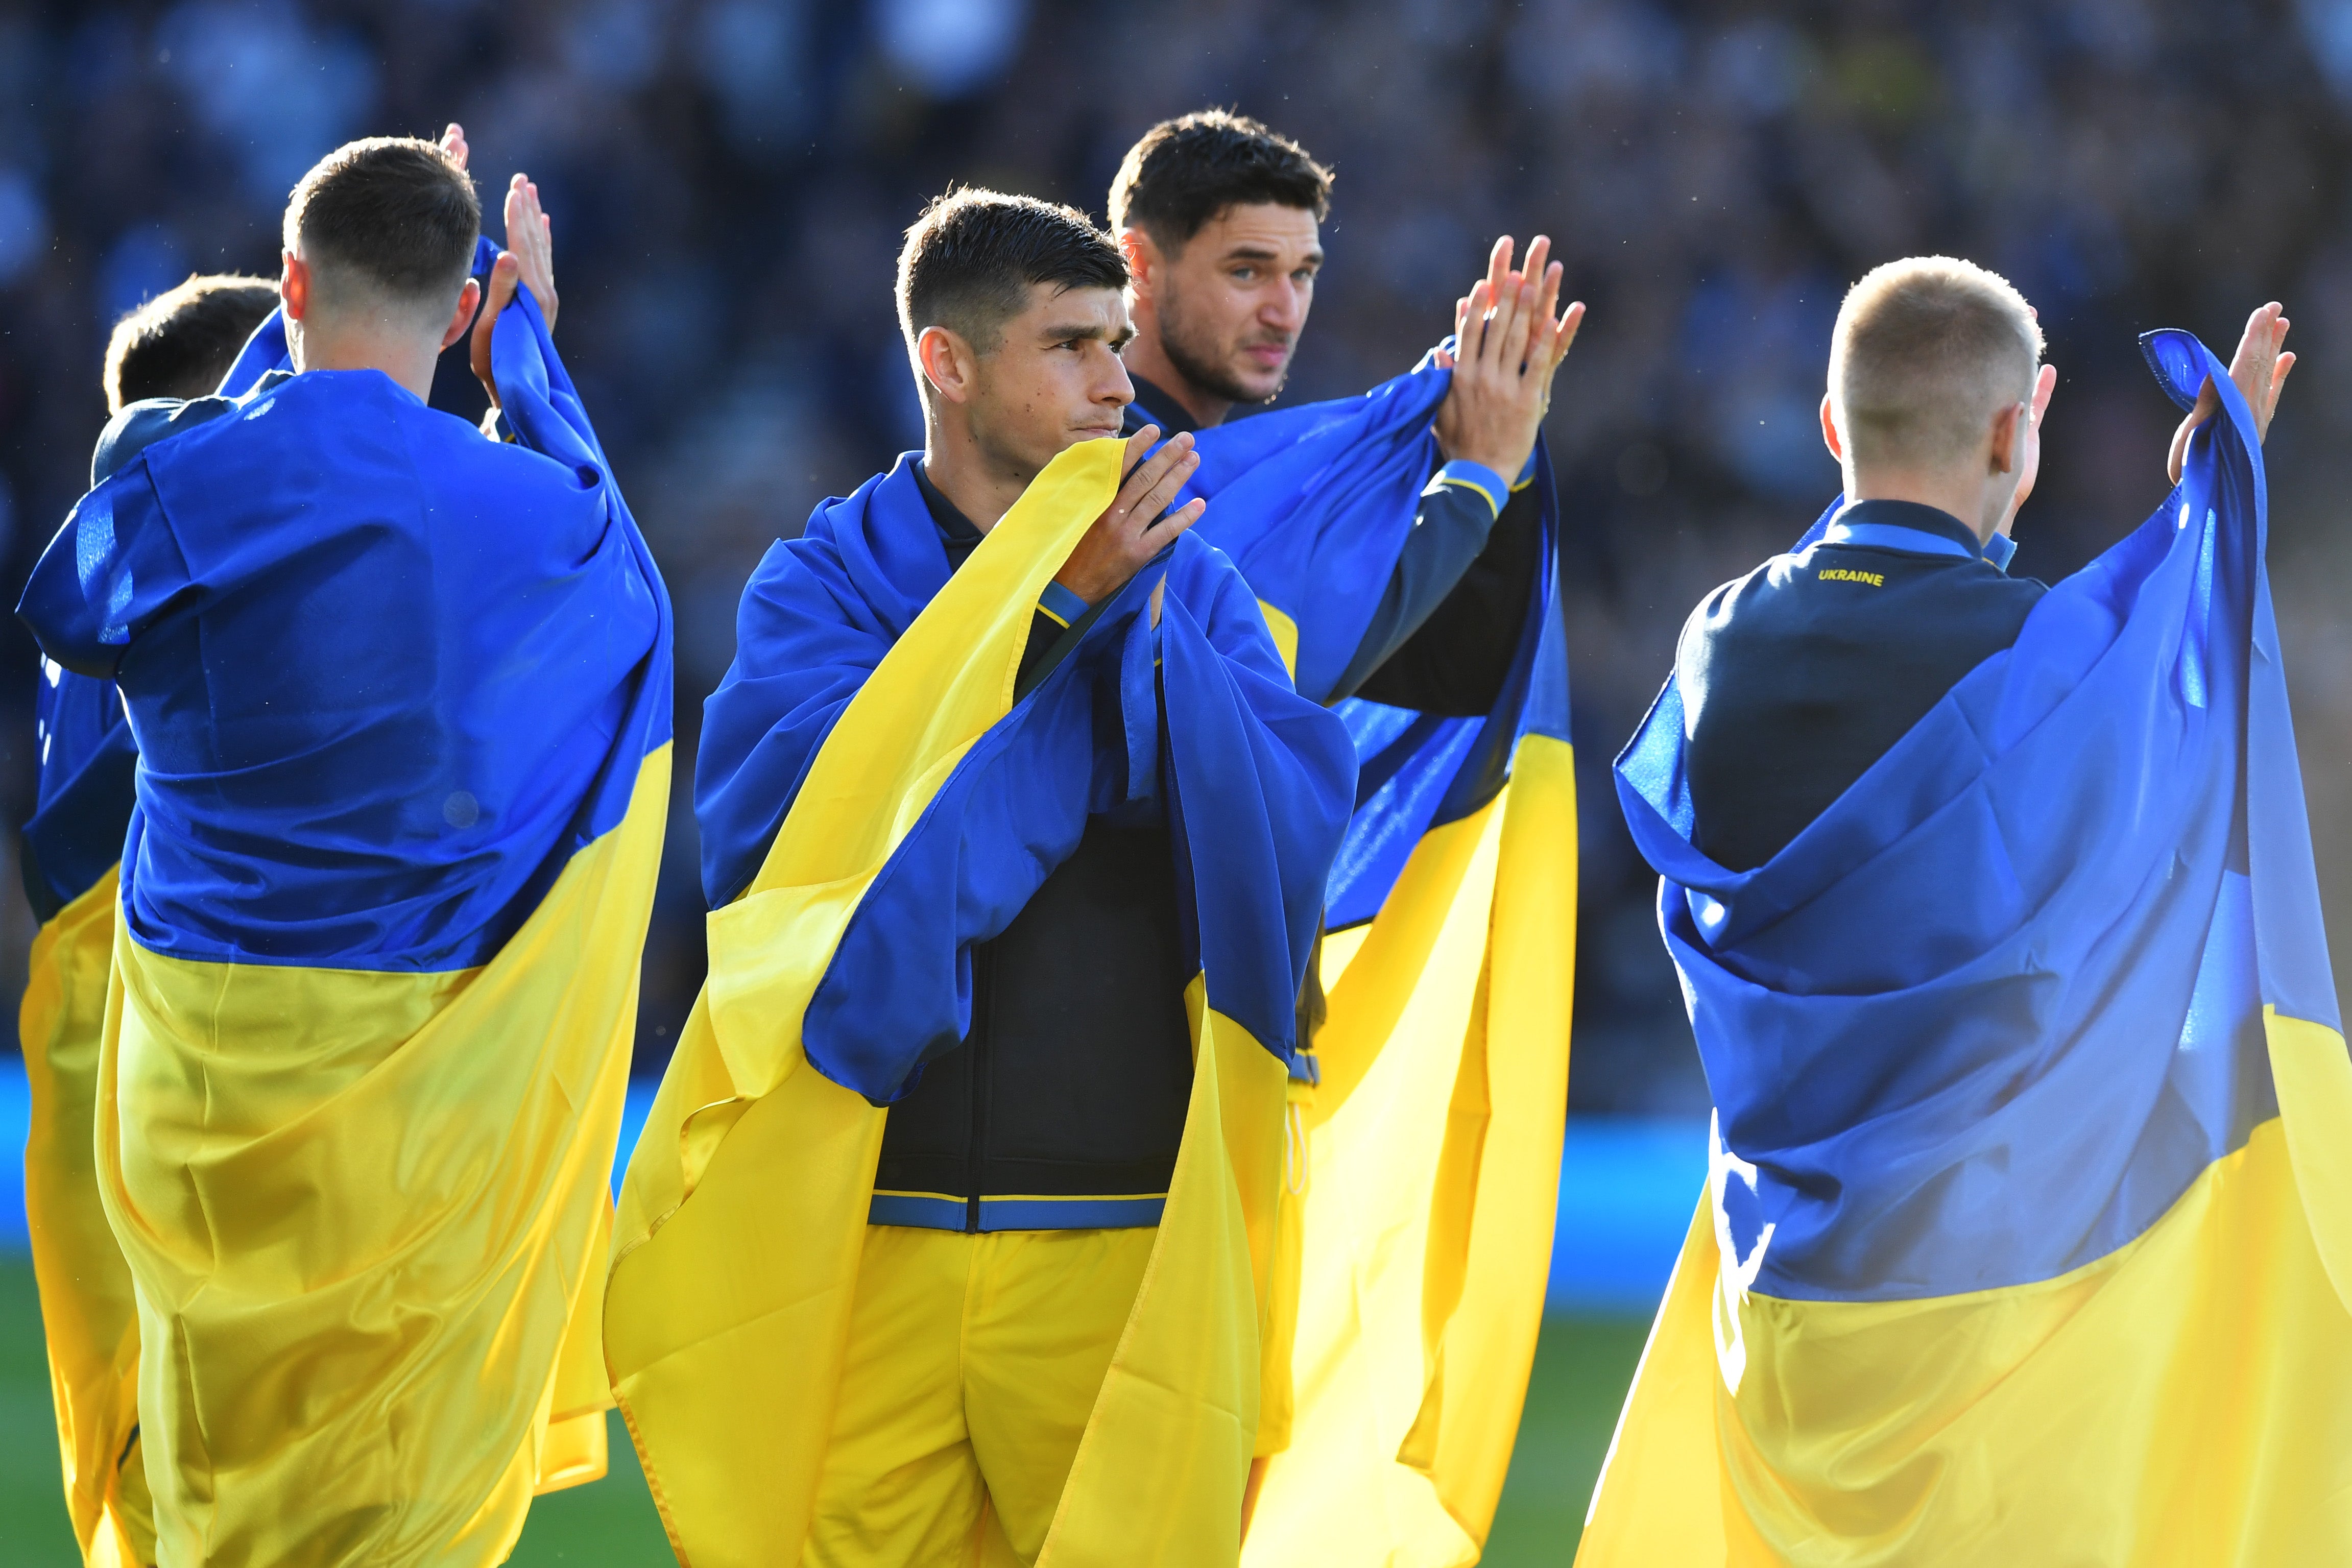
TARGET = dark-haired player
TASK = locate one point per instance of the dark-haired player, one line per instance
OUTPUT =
(362, 1050)
(1221, 221)
(1025, 1168)
(181, 342)
(178, 345)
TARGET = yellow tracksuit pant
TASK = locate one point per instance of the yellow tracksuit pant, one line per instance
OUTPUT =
(972, 1363)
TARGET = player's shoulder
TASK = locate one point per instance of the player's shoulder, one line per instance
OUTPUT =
(144, 424)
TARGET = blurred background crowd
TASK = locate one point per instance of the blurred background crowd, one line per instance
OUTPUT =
(728, 179)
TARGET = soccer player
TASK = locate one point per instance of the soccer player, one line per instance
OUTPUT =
(178, 345)
(1012, 827)
(1403, 547)
(400, 697)
(1220, 219)
(2026, 1231)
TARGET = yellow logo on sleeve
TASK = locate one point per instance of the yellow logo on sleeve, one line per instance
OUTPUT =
(1840, 574)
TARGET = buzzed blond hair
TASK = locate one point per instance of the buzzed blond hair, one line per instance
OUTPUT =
(1925, 352)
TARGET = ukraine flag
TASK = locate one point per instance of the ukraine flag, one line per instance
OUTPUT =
(1425, 1163)
(402, 703)
(2028, 1234)
(926, 806)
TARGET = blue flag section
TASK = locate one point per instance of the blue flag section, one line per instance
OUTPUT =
(2028, 1220)
(1428, 1129)
(400, 699)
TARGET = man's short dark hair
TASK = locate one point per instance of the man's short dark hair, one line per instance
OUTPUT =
(395, 212)
(183, 341)
(970, 260)
(1186, 172)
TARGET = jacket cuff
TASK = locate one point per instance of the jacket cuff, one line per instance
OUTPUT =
(1473, 476)
(1061, 605)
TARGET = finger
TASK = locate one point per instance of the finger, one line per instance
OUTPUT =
(1572, 321)
(1162, 492)
(1496, 346)
(1547, 297)
(1472, 330)
(1151, 470)
(1499, 266)
(1521, 333)
(1137, 445)
(1176, 522)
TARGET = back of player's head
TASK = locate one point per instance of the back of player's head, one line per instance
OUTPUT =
(1925, 351)
(183, 341)
(1187, 170)
(391, 215)
(970, 260)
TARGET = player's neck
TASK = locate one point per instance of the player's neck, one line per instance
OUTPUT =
(1959, 495)
(958, 467)
(402, 355)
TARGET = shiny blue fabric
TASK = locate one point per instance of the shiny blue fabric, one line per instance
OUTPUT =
(1314, 504)
(385, 675)
(1214, 736)
(1986, 1019)
(86, 760)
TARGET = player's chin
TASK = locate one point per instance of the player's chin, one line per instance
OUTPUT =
(1258, 379)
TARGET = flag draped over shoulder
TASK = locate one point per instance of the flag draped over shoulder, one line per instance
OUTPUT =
(2028, 1235)
(1423, 1215)
(873, 694)
(376, 961)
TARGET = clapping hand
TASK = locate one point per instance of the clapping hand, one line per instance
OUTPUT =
(1508, 349)
(528, 260)
(2258, 368)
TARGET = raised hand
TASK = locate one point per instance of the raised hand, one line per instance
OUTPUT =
(453, 142)
(2258, 368)
(1127, 536)
(1508, 348)
(529, 259)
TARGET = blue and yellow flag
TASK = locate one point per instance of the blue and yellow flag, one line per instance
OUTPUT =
(90, 1322)
(1424, 1183)
(874, 696)
(2028, 1234)
(401, 695)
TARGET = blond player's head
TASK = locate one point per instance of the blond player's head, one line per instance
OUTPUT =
(1928, 355)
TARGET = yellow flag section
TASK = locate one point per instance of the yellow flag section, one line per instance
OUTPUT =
(745, 1205)
(2215, 1350)
(1426, 1238)
(88, 1313)
(372, 1207)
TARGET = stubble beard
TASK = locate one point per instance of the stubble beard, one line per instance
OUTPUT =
(1198, 363)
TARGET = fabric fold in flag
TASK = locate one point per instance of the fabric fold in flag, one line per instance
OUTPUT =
(900, 805)
(1423, 1215)
(2027, 1223)
(402, 698)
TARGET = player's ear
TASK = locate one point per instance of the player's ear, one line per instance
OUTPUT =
(469, 299)
(947, 364)
(1830, 438)
(2007, 423)
(294, 286)
(1142, 259)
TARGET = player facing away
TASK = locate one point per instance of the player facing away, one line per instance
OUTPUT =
(174, 347)
(400, 698)
(1403, 546)
(2027, 1232)
(950, 1235)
